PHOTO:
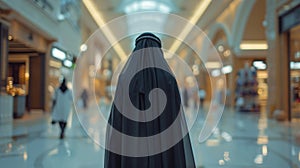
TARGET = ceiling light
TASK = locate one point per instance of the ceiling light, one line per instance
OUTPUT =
(83, 47)
(215, 73)
(259, 65)
(163, 8)
(227, 53)
(140, 6)
(61, 17)
(131, 8)
(59, 54)
(254, 45)
(220, 48)
(148, 5)
(227, 69)
(297, 54)
(295, 65)
(10, 37)
(68, 63)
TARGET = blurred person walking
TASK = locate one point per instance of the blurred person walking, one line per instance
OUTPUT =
(201, 94)
(62, 103)
(84, 97)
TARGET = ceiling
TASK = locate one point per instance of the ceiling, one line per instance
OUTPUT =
(16, 47)
(111, 9)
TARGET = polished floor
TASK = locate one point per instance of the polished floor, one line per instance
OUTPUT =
(241, 140)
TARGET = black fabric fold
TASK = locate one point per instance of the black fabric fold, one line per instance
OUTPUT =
(143, 82)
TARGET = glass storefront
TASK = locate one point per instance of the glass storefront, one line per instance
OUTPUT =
(289, 29)
(294, 57)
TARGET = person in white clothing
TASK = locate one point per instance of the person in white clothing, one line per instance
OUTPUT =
(62, 103)
(201, 94)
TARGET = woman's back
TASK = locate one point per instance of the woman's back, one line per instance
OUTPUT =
(63, 104)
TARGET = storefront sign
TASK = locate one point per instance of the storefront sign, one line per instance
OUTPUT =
(68, 63)
(58, 53)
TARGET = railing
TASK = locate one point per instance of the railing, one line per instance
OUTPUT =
(60, 11)
(44, 4)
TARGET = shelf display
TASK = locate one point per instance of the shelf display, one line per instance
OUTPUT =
(246, 89)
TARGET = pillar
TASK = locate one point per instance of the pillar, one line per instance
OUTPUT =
(3, 54)
(277, 61)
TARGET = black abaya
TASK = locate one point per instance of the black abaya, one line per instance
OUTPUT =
(179, 155)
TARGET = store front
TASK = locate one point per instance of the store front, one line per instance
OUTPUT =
(6, 101)
(28, 69)
(26, 73)
(25, 78)
(289, 26)
(294, 59)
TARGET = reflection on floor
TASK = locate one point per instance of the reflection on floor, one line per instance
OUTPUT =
(241, 140)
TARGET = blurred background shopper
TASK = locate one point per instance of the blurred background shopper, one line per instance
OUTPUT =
(84, 98)
(62, 103)
(201, 94)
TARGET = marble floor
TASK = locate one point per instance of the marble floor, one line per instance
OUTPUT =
(241, 140)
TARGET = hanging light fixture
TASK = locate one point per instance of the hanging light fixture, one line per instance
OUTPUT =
(147, 5)
(141, 22)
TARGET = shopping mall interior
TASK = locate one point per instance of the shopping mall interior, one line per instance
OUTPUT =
(236, 63)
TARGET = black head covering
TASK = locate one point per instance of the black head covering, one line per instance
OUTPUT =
(63, 87)
(147, 40)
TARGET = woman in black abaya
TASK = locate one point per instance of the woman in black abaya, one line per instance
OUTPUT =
(147, 128)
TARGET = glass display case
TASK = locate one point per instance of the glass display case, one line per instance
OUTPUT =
(19, 97)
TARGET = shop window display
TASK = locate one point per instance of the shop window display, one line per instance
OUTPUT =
(294, 73)
(246, 89)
